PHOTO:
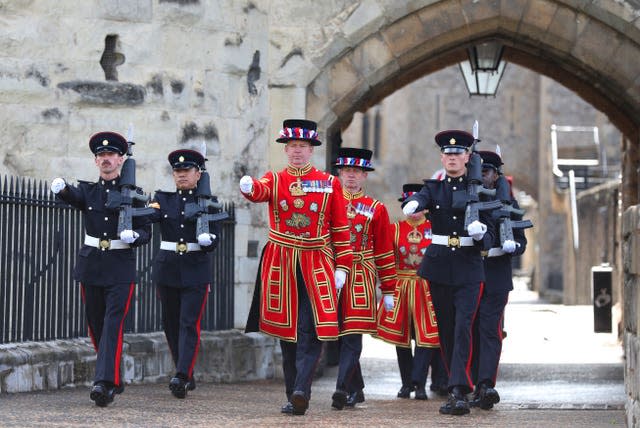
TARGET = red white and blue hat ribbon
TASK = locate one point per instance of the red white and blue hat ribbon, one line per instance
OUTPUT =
(298, 133)
(359, 162)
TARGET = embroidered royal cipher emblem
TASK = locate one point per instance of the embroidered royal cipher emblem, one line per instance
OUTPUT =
(414, 258)
(298, 221)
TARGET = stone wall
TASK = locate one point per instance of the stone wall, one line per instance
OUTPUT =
(631, 319)
(224, 356)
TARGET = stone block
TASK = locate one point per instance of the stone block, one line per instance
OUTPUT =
(213, 360)
(394, 10)
(370, 56)
(106, 93)
(630, 220)
(631, 247)
(154, 366)
(630, 296)
(53, 375)
(366, 19)
(127, 10)
(511, 12)
(632, 366)
(354, 96)
(625, 64)
(38, 377)
(246, 269)
(84, 370)
(228, 92)
(404, 35)
(243, 293)
(144, 344)
(539, 16)
(295, 72)
(593, 38)
(441, 20)
(337, 46)
(344, 77)
(480, 18)
(563, 29)
(264, 348)
(318, 96)
(618, 15)
(242, 233)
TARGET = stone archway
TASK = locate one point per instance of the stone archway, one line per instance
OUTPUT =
(594, 51)
(591, 48)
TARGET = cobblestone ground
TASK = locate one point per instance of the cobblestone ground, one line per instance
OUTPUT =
(258, 404)
(556, 373)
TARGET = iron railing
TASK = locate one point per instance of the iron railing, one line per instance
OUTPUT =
(39, 241)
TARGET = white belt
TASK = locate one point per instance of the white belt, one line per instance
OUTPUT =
(180, 247)
(495, 252)
(452, 241)
(105, 244)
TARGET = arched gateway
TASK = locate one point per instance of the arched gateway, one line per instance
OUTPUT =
(591, 48)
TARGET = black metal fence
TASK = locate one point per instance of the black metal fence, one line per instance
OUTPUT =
(39, 241)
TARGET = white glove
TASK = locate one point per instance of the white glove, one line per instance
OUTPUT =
(510, 246)
(388, 302)
(476, 230)
(206, 239)
(410, 208)
(341, 277)
(57, 185)
(246, 184)
(129, 236)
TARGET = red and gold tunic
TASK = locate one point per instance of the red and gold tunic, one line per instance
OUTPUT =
(412, 295)
(372, 245)
(307, 227)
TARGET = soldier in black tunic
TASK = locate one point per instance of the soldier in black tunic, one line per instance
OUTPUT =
(106, 264)
(487, 339)
(452, 263)
(182, 268)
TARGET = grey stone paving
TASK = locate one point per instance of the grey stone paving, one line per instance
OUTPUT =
(556, 373)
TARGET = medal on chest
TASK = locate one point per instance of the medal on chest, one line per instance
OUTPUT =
(351, 211)
(295, 188)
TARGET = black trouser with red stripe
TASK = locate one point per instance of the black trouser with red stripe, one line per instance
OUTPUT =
(456, 307)
(182, 309)
(106, 309)
(487, 340)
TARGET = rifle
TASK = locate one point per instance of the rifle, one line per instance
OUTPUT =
(127, 200)
(470, 198)
(504, 213)
(200, 210)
